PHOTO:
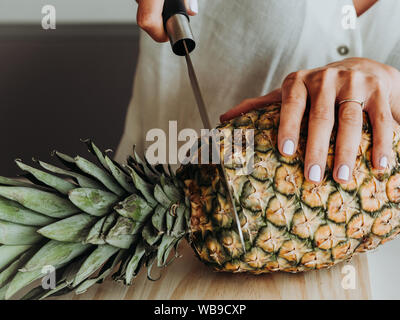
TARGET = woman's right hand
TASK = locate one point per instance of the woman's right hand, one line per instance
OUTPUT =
(149, 17)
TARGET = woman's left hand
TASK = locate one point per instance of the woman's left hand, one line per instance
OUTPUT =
(360, 79)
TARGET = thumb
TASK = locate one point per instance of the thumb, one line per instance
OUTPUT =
(251, 104)
(192, 7)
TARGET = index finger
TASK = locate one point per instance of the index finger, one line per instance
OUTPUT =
(294, 100)
(251, 104)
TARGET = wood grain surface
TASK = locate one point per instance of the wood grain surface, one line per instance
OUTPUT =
(188, 278)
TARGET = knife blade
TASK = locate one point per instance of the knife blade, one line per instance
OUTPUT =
(177, 26)
(207, 125)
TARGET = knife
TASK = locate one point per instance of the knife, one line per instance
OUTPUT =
(177, 26)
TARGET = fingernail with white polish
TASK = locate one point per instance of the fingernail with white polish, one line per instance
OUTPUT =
(194, 6)
(344, 172)
(383, 162)
(315, 173)
(288, 147)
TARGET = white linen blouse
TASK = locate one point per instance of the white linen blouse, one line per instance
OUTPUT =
(245, 48)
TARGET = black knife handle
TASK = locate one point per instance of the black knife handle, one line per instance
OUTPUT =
(177, 26)
(172, 7)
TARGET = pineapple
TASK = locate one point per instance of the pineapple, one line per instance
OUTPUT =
(88, 220)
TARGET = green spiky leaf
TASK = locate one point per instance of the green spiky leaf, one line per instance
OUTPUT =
(8, 253)
(95, 260)
(100, 174)
(82, 180)
(50, 180)
(40, 201)
(93, 201)
(134, 207)
(18, 234)
(12, 211)
(71, 229)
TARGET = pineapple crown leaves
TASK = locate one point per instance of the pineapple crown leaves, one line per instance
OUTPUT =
(86, 219)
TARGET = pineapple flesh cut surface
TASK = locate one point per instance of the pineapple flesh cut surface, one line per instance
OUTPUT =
(92, 218)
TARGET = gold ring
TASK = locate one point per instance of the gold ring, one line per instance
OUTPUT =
(361, 103)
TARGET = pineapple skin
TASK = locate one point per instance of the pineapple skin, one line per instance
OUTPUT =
(290, 224)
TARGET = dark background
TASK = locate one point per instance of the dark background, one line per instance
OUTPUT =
(58, 86)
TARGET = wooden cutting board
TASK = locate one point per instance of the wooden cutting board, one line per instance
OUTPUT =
(188, 278)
